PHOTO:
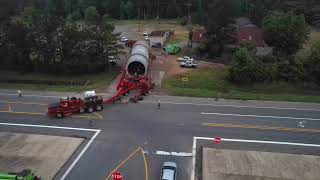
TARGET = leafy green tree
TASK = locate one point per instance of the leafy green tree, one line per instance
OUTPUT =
(312, 63)
(243, 67)
(19, 43)
(220, 14)
(56, 7)
(285, 31)
(91, 14)
(290, 69)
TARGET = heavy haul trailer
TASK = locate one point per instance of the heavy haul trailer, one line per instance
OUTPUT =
(69, 106)
(24, 175)
(136, 76)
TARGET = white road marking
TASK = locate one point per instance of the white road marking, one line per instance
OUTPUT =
(97, 131)
(181, 154)
(261, 116)
(301, 124)
(52, 127)
(194, 146)
(236, 106)
(30, 95)
(79, 156)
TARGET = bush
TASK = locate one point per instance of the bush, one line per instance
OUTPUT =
(290, 69)
(184, 21)
(243, 67)
(312, 63)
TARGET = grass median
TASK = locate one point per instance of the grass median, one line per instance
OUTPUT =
(212, 82)
(87, 81)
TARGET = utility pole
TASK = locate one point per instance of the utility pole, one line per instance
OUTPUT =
(139, 6)
(189, 18)
(157, 26)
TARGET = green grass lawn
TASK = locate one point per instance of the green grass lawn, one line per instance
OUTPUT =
(96, 81)
(211, 82)
(152, 24)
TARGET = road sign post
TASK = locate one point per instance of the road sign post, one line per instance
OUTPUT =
(117, 176)
(217, 140)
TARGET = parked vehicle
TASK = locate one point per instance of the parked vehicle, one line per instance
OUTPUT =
(124, 39)
(157, 45)
(145, 33)
(112, 60)
(23, 175)
(146, 38)
(169, 171)
(69, 106)
(189, 64)
(185, 58)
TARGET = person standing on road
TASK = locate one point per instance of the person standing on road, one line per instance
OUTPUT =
(159, 104)
(19, 93)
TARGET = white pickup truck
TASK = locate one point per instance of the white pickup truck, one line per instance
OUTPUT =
(189, 64)
(185, 58)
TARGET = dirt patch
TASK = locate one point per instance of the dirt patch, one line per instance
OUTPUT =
(171, 67)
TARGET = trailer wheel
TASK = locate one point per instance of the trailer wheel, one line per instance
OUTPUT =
(90, 109)
(99, 108)
(59, 115)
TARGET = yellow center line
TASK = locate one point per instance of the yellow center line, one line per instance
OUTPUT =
(98, 115)
(261, 127)
(9, 107)
(123, 162)
(145, 164)
(19, 102)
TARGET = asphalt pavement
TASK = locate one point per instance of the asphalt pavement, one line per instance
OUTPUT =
(165, 134)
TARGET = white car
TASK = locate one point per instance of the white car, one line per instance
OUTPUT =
(185, 58)
(112, 60)
(146, 38)
(145, 33)
(124, 39)
(169, 171)
(188, 64)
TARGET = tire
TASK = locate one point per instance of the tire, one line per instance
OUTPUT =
(99, 108)
(81, 110)
(59, 115)
(90, 109)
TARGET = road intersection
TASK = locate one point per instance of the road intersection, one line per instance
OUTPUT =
(169, 133)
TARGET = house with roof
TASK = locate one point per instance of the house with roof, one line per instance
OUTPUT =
(248, 33)
(199, 37)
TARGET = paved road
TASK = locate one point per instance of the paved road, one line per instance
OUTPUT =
(126, 127)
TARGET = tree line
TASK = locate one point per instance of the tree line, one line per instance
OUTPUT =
(43, 40)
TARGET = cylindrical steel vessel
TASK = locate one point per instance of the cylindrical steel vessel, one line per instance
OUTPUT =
(138, 61)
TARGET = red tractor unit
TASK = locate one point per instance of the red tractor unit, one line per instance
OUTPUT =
(69, 106)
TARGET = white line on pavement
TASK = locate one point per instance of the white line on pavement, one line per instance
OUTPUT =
(52, 127)
(79, 156)
(181, 154)
(236, 106)
(194, 146)
(261, 116)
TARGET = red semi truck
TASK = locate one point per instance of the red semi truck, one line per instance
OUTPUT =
(69, 106)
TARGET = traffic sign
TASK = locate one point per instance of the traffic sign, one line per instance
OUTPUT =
(217, 140)
(116, 176)
(185, 79)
